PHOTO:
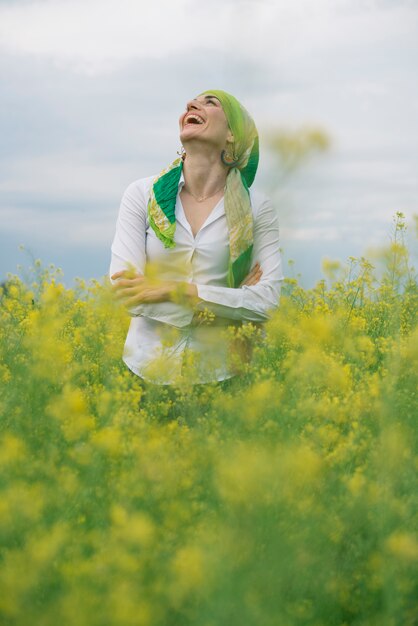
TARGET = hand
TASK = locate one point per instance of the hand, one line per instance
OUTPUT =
(137, 289)
(253, 276)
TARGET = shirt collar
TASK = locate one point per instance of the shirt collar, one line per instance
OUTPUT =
(181, 181)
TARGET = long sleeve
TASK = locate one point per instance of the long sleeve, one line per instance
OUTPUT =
(129, 249)
(255, 302)
(128, 246)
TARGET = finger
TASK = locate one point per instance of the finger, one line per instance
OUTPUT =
(249, 276)
(129, 292)
(137, 299)
(132, 301)
(119, 288)
(117, 275)
(120, 282)
(123, 295)
(128, 282)
(255, 279)
(127, 274)
(255, 268)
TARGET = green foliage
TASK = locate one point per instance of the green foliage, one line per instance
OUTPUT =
(289, 499)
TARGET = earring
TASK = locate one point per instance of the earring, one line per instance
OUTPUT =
(228, 160)
(182, 153)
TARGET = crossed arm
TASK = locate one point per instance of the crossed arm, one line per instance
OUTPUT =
(138, 289)
(257, 295)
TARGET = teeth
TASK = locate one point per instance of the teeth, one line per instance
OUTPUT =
(195, 117)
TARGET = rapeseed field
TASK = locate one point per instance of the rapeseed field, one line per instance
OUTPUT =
(289, 499)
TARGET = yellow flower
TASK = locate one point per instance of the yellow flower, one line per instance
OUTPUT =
(109, 439)
(251, 474)
(403, 545)
(188, 569)
(137, 528)
(356, 483)
(70, 409)
(12, 449)
(260, 396)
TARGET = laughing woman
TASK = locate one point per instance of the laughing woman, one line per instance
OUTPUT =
(196, 251)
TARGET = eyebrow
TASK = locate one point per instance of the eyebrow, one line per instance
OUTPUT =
(209, 97)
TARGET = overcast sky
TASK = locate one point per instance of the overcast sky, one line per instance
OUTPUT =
(91, 92)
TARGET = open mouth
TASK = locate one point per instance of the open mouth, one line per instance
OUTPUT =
(193, 118)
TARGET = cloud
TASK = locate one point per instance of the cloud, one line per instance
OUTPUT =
(92, 35)
(92, 91)
(68, 227)
(95, 36)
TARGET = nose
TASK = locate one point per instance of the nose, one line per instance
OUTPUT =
(192, 104)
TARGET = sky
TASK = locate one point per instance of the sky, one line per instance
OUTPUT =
(91, 92)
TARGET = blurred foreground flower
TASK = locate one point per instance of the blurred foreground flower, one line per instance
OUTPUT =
(289, 499)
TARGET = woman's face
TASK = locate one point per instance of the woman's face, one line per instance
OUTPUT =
(205, 119)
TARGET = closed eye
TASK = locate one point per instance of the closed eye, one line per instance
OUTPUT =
(212, 100)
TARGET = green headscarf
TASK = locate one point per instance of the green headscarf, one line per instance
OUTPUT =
(163, 197)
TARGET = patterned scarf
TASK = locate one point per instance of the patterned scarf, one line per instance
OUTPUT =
(238, 212)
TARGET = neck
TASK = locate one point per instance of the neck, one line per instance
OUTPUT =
(204, 174)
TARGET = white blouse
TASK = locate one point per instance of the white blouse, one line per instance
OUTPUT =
(163, 346)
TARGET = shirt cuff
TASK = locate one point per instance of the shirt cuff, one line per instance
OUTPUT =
(167, 312)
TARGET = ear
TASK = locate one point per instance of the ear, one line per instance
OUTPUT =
(230, 137)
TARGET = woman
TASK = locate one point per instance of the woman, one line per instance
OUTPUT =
(195, 251)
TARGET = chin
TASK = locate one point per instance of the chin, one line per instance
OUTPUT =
(189, 131)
